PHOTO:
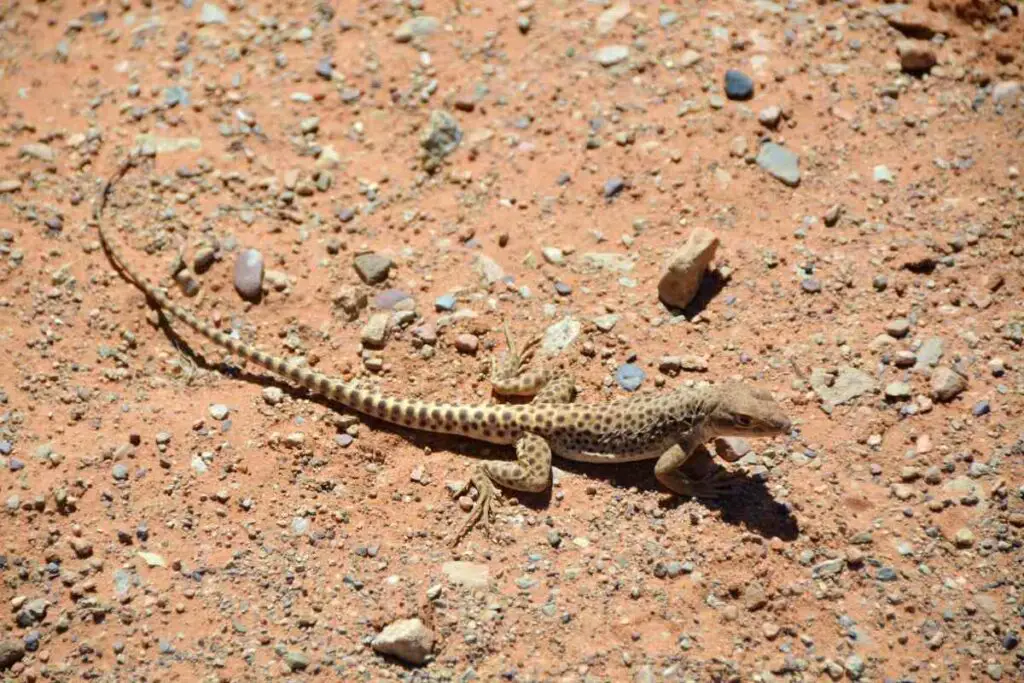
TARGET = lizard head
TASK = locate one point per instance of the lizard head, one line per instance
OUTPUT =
(742, 410)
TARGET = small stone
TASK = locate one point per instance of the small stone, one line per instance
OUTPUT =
(467, 343)
(249, 274)
(612, 187)
(273, 395)
(219, 411)
(375, 332)
(417, 27)
(681, 279)
(916, 56)
(630, 376)
(607, 20)
(898, 328)
(38, 151)
(947, 384)
(738, 85)
(553, 255)
(372, 268)
(445, 303)
(981, 408)
(611, 55)
(82, 548)
(854, 667)
(964, 538)
(211, 15)
(119, 472)
(780, 163)
(810, 285)
(407, 639)
(898, 391)
(882, 174)
(472, 575)
(769, 116)
(831, 216)
(1006, 92)
(11, 652)
(296, 661)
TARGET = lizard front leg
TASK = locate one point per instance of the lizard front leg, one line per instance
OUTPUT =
(673, 463)
(509, 379)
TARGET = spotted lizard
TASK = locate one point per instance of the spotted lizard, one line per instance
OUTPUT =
(643, 426)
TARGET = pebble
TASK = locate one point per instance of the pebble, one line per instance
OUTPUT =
(273, 395)
(898, 328)
(898, 391)
(467, 343)
(406, 639)
(296, 661)
(1006, 92)
(947, 384)
(372, 268)
(981, 408)
(780, 163)
(613, 186)
(964, 538)
(375, 332)
(249, 274)
(417, 27)
(810, 285)
(11, 652)
(211, 15)
(681, 279)
(611, 55)
(119, 472)
(219, 411)
(916, 56)
(445, 303)
(882, 174)
(738, 85)
(630, 376)
(769, 116)
(849, 383)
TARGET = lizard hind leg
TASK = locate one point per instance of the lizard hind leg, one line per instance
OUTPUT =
(530, 472)
(676, 466)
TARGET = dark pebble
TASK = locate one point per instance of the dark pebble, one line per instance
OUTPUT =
(324, 69)
(738, 85)
(981, 408)
(1010, 641)
(613, 186)
(32, 641)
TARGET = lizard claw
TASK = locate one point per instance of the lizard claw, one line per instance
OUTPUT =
(719, 484)
(483, 509)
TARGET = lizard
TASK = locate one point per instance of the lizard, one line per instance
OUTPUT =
(643, 426)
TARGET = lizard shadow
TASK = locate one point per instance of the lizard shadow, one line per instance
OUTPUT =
(752, 505)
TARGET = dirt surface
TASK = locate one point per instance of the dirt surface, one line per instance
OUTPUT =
(170, 515)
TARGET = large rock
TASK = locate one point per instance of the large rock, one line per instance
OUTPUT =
(407, 639)
(11, 652)
(681, 279)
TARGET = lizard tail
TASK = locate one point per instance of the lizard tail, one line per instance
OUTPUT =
(433, 417)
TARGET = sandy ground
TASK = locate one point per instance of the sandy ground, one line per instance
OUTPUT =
(169, 514)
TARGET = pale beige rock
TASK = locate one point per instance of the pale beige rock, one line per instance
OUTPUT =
(681, 279)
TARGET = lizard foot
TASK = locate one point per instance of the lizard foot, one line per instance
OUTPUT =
(483, 508)
(719, 484)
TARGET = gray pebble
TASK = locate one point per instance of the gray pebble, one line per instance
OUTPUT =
(249, 274)
(372, 268)
(780, 162)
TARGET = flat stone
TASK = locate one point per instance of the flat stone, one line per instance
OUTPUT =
(947, 384)
(930, 353)
(212, 14)
(682, 277)
(848, 385)
(898, 391)
(296, 661)
(882, 174)
(467, 343)
(488, 269)
(630, 376)
(248, 276)
(472, 575)
(38, 151)
(417, 27)
(560, 335)
(372, 268)
(780, 163)
(611, 55)
(406, 639)
(917, 22)
(607, 20)
(609, 261)
(9, 185)
(168, 145)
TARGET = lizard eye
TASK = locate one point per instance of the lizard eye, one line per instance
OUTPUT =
(743, 420)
